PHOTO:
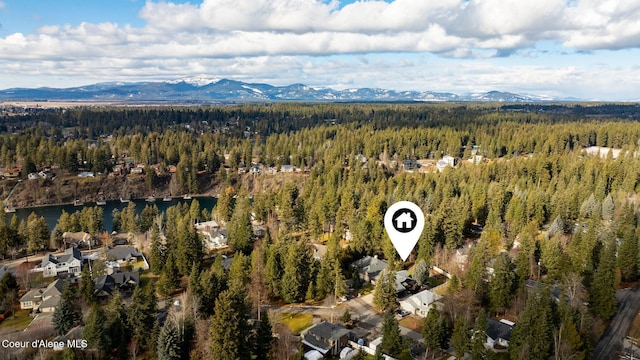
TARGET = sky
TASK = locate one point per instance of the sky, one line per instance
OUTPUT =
(587, 49)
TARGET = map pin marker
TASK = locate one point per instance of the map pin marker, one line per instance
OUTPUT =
(404, 222)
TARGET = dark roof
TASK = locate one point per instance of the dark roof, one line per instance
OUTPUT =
(106, 284)
(498, 330)
(69, 254)
(555, 290)
(327, 331)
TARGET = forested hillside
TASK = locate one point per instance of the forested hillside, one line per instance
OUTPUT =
(535, 206)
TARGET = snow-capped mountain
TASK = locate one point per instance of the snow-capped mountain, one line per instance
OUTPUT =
(204, 88)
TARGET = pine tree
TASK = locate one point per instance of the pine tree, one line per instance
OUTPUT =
(229, 328)
(240, 230)
(87, 286)
(116, 327)
(532, 336)
(432, 331)
(501, 284)
(95, 332)
(384, 296)
(477, 273)
(627, 258)
(479, 336)
(421, 273)
(460, 339)
(157, 257)
(602, 297)
(212, 285)
(391, 339)
(142, 313)
(294, 282)
(68, 314)
(170, 342)
(608, 208)
(263, 341)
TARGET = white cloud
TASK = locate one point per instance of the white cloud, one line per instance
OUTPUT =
(257, 39)
(3, 5)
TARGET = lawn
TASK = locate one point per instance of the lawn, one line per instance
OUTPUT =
(412, 322)
(297, 322)
(18, 322)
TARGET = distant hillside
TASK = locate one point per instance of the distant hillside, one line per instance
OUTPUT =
(208, 89)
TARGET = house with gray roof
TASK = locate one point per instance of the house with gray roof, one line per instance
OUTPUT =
(44, 300)
(369, 268)
(119, 256)
(70, 262)
(326, 337)
(420, 303)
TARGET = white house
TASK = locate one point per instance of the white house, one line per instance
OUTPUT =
(446, 161)
(69, 262)
(420, 303)
(213, 237)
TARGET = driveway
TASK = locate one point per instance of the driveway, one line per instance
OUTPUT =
(610, 342)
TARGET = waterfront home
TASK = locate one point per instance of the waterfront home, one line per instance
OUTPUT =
(68, 263)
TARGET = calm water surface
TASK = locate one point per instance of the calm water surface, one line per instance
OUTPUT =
(52, 213)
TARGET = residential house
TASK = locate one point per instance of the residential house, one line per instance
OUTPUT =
(120, 169)
(461, 257)
(47, 175)
(119, 256)
(86, 174)
(124, 282)
(70, 262)
(33, 176)
(259, 230)
(327, 338)
(138, 170)
(270, 170)
(420, 303)
(76, 239)
(254, 169)
(12, 173)
(213, 237)
(409, 164)
(286, 168)
(446, 161)
(403, 281)
(43, 300)
(369, 267)
(499, 333)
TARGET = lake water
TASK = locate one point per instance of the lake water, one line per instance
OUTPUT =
(52, 213)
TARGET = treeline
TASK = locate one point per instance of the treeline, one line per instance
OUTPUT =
(409, 130)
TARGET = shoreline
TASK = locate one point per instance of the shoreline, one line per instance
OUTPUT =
(89, 203)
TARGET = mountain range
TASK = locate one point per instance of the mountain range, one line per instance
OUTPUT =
(207, 89)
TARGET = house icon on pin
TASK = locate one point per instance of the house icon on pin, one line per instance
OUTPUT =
(404, 221)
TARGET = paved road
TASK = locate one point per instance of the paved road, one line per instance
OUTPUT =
(610, 342)
(361, 309)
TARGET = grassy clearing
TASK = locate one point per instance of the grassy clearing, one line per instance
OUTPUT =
(18, 322)
(413, 323)
(297, 322)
